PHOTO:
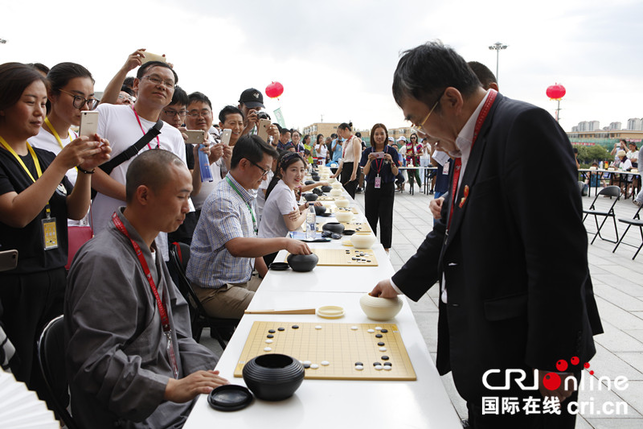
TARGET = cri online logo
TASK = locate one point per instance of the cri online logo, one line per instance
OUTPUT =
(551, 380)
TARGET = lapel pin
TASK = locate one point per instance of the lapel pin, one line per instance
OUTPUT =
(466, 194)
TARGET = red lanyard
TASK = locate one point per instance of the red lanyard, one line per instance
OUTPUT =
(345, 145)
(165, 320)
(380, 162)
(158, 142)
(458, 161)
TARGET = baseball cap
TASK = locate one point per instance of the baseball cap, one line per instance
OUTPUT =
(251, 98)
(401, 139)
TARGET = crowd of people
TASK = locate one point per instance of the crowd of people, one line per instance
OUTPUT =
(163, 170)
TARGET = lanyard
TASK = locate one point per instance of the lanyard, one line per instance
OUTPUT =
(252, 213)
(165, 320)
(36, 163)
(158, 142)
(380, 162)
(53, 131)
(346, 145)
(458, 161)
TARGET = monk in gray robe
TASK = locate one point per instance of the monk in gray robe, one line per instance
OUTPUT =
(131, 359)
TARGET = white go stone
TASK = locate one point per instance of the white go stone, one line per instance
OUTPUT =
(267, 349)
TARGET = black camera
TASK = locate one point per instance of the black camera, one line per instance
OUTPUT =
(262, 114)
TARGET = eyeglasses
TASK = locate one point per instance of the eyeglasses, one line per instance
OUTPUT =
(79, 101)
(172, 113)
(419, 127)
(196, 113)
(160, 82)
(264, 172)
(127, 99)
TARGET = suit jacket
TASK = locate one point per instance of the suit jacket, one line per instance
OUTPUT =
(515, 258)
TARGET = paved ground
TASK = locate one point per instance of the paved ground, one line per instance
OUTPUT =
(618, 284)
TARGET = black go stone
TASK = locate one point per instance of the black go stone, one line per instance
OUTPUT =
(381, 343)
(272, 331)
(378, 335)
(281, 329)
(376, 363)
(384, 357)
(295, 326)
(388, 364)
(359, 363)
(270, 336)
(384, 331)
(306, 365)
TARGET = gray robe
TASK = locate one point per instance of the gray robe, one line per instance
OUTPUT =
(117, 363)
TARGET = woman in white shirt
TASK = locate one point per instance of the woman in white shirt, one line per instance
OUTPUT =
(281, 213)
(70, 91)
(321, 150)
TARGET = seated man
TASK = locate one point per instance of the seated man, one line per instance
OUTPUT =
(131, 359)
(225, 249)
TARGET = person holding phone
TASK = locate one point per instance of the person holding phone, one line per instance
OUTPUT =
(36, 198)
(380, 163)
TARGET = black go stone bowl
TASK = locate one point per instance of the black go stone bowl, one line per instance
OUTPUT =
(320, 210)
(273, 377)
(326, 188)
(308, 182)
(349, 231)
(333, 227)
(318, 192)
(311, 197)
(303, 263)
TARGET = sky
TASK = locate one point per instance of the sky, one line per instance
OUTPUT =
(336, 58)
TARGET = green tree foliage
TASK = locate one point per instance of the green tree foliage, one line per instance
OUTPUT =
(589, 154)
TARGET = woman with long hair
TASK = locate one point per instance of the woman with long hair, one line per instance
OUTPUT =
(36, 198)
(281, 212)
(321, 150)
(413, 152)
(380, 163)
(348, 170)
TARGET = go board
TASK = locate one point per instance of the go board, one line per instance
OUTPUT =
(345, 257)
(333, 351)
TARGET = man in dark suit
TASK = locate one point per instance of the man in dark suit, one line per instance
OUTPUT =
(509, 252)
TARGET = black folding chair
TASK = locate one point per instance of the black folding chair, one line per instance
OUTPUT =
(608, 191)
(51, 356)
(635, 221)
(179, 257)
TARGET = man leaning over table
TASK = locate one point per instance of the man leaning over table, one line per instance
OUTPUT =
(514, 279)
(225, 250)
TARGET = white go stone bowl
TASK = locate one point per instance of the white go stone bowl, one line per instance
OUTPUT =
(380, 309)
(343, 203)
(344, 217)
(362, 241)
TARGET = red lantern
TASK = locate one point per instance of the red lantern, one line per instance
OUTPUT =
(274, 90)
(556, 92)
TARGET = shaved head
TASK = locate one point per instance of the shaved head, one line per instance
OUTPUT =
(150, 169)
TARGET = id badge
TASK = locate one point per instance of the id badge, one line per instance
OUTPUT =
(50, 235)
(445, 168)
(378, 182)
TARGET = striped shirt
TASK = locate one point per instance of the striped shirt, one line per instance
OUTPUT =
(225, 215)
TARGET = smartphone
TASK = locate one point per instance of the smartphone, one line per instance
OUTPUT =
(195, 136)
(88, 123)
(225, 136)
(8, 260)
(262, 129)
(379, 154)
(153, 57)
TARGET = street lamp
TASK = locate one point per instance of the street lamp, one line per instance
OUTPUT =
(497, 47)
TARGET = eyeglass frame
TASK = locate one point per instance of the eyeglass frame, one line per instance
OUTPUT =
(173, 113)
(419, 127)
(196, 114)
(159, 82)
(85, 100)
(264, 172)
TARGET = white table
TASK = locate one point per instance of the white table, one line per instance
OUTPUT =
(335, 403)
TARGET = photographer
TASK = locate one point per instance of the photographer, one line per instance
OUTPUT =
(380, 163)
(251, 103)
